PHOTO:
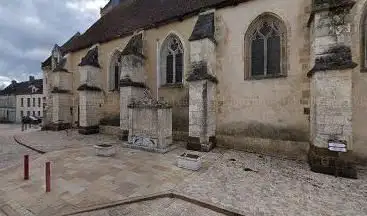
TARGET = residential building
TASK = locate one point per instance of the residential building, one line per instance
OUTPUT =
(20, 99)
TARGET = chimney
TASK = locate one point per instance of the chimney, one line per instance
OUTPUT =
(13, 82)
(31, 78)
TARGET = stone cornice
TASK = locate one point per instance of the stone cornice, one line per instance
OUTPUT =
(60, 91)
(336, 58)
(128, 82)
(86, 87)
(200, 72)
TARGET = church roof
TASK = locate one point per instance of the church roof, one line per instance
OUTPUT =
(64, 48)
(125, 19)
(23, 88)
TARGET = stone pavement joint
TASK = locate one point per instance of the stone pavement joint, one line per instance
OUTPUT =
(17, 140)
(13, 208)
(167, 194)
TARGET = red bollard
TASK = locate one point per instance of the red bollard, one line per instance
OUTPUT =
(26, 167)
(48, 177)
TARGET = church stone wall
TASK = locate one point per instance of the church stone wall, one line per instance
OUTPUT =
(254, 111)
(268, 115)
(359, 83)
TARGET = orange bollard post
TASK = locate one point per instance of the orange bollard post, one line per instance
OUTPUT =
(26, 167)
(48, 177)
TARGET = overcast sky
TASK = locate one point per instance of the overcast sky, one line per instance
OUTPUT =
(30, 28)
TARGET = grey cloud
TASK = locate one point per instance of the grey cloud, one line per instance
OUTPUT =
(29, 29)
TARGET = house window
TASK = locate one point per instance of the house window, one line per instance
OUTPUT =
(34, 102)
(39, 102)
(115, 71)
(172, 60)
(39, 113)
(28, 113)
(22, 102)
(265, 46)
(28, 102)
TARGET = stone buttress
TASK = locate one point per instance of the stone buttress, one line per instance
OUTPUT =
(202, 85)
(132, 80)
(60, 107)
(90, 93)
(331, 87)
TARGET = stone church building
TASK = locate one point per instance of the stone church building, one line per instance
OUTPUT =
(281, 77)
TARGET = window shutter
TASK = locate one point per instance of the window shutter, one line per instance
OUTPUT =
(274, 55)
(179, 67)
(257, 57)
(169, 69)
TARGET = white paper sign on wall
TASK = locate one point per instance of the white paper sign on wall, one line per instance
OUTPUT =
(337, 146)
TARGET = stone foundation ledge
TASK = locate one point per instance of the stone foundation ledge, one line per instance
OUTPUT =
(89, 130)
(322, 160)
(293, 150)
(194, 144)
(56, 126)
(149, 149)
(180, 135)
(110, 130)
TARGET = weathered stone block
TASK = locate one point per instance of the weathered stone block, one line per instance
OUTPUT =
(189, 161)
(322, 160)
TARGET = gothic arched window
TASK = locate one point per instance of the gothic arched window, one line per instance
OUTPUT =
(172, 60)
(114, 71)
(265, 48)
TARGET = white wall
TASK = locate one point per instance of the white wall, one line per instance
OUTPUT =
(7, 107)
(37, 108)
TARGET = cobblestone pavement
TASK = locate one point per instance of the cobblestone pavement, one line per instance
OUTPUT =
(11, 153)
(159, 207)
(253, 184)
(80, 179)
(48, 141)
(260, 185)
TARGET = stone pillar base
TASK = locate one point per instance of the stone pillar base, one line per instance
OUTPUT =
(89, 130)
(322, 160)
(124, 135)
(194, 144)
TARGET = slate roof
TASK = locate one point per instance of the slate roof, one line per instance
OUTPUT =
(204, 28)
(23, 88)
(134, 46)
(91, 58)
(126, 18)
(64, 49)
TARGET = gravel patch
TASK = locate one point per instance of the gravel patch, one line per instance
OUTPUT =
(261, 185)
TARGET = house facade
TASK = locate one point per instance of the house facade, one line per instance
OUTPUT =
(22, 99)
(269, 76)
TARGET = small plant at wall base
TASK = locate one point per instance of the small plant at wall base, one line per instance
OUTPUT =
(111, 120)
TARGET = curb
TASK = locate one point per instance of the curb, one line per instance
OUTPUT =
(27, 146)
(167, 194)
